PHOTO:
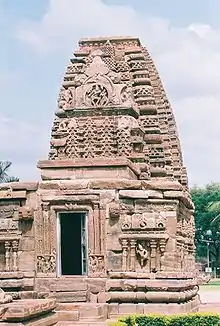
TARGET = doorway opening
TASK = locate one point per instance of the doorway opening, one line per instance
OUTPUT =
(72, 243)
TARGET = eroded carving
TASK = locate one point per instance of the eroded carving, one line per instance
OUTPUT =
(26, 213)
(96, 265)
(65, 98)
(5, 298)
(46, 263)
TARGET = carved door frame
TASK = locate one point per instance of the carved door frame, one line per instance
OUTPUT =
(47, 246)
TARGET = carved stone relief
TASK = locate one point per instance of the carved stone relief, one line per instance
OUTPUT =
(143, 221)
(46, 263)
(97, 95)
(96, 265)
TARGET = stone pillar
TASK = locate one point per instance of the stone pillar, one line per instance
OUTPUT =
(132, 254)
(46, 228)
(153, 246)
(124, 243)
(97, 242)
(162, 246)
(7, 255)
(15, 255)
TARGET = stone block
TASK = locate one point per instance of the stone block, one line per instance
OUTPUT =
(68, 284)
(95, 311)
(68, 315)
(28, 282)
(114, 184)
(161, 184)
(103, 297)
(183, 196)
(96, 285)
(127, 309)
(79, 296)
(26, 244)
(73, 184)
(140, 194)
(11, 283)
(26, 260)
(113, 309)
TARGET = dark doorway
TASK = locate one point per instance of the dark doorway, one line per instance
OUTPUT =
(73, 242)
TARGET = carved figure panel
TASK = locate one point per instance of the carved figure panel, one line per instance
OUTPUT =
(96, 265)
(7, 209)
(46, 263)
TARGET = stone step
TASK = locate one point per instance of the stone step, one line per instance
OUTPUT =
(81, 313)
(83, 323)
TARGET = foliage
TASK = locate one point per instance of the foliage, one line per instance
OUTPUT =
(4, 177)
(196, 319)
(207, 208)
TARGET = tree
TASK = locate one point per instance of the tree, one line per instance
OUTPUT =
(4, 177)
(207, 208)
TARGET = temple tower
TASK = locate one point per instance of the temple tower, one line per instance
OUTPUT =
(112, 219)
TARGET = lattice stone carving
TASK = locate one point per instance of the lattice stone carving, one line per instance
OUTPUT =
(113, 75)
(96, 95)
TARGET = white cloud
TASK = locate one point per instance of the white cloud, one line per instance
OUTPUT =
(22, 143)
(187, 58)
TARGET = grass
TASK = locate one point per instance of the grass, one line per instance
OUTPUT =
(213, 285)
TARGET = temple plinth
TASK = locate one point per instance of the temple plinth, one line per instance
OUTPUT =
(111, 222)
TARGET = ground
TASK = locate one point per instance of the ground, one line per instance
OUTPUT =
(210, 296)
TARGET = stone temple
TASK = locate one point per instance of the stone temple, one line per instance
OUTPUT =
(109, 229)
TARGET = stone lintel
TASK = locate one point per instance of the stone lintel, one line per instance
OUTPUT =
(144, 236)
(10, 194)
(67, 199)
(91, 162)
(30, 186)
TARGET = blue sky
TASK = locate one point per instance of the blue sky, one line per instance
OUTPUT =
(38, 38)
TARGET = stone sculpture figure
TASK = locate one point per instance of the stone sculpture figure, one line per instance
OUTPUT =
(142, 253)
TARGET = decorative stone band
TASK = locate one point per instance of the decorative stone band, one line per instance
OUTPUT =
(157, 275)
(153, 296)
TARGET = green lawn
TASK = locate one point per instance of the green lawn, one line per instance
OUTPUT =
(213, 285)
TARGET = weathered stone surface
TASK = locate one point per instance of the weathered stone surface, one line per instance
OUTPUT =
(140, 194)
(161, 184)
(68, 284)
(79, 296)
(115, 184)
(183, 196)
